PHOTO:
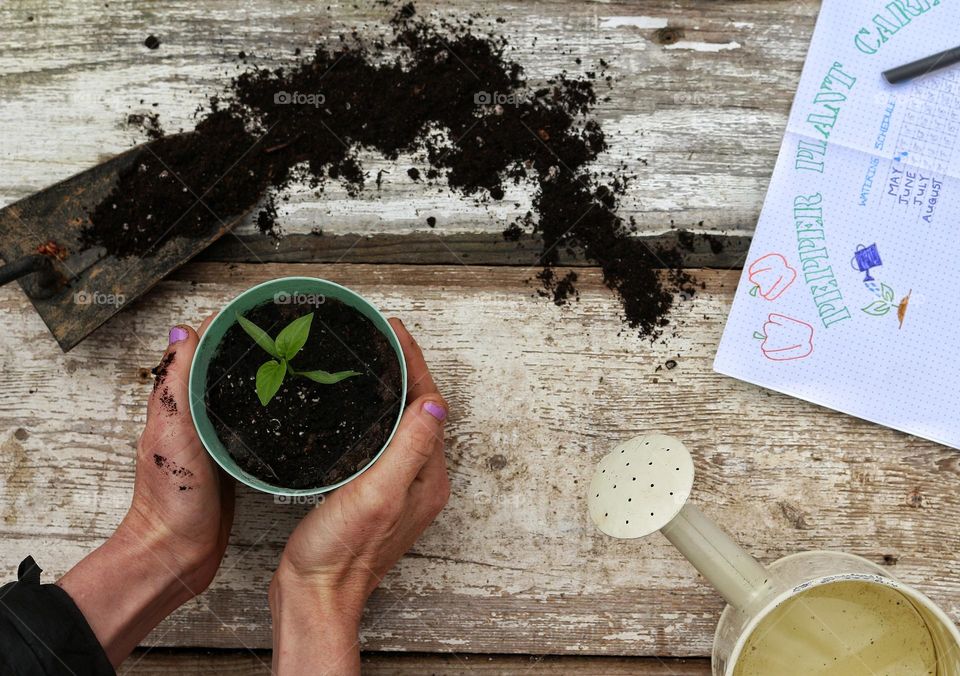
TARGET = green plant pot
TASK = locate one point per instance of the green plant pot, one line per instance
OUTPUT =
(246, 301)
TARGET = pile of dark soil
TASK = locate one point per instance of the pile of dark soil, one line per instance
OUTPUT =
(438, 90)
(308, 435)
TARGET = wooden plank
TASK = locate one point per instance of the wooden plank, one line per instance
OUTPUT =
(697, 110)
(164, 663)
(437, 248)
(538, 394)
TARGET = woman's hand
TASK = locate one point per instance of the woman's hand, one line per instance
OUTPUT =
(169, 546)
(180, 496)
(341, 550)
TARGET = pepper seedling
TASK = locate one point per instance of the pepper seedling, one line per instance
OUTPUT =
(288, 343)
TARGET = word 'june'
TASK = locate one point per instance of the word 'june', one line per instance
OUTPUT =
(834, 90)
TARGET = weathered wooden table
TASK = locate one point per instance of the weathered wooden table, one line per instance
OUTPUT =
(512, 578)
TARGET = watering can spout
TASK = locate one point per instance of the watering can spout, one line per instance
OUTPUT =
(733, 572)
(642, 486)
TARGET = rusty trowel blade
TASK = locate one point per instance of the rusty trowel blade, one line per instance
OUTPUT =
(99, 290)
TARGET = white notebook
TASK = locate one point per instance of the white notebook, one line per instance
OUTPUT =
(850, 295)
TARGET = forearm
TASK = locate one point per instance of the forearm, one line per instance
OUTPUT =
(126, 587)
(312, 633)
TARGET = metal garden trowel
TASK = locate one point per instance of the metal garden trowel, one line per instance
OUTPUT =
(76, 289)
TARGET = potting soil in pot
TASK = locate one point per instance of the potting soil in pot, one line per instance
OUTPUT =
(309, 435)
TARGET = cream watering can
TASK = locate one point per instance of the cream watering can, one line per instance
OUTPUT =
(807, 613)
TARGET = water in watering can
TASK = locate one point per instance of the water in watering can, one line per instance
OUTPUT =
(847, 628)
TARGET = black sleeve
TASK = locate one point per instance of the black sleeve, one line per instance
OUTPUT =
(43, 633)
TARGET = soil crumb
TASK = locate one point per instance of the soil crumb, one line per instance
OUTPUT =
(172, 469)
(167, 401)
(160, 370)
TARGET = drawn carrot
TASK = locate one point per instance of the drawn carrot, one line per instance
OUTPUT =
(902, 308)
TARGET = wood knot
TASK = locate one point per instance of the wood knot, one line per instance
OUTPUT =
(794, 515)
(915, 498)
(668, 35)
(496, 462)
(890, 559)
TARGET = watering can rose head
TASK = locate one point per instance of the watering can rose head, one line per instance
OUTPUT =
(770, 276)
(785, 338)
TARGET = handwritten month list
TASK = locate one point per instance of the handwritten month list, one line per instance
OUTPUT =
(850, 295)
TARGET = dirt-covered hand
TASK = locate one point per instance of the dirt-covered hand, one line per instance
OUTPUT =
(180, 495)
(169, 546)
(341, 550)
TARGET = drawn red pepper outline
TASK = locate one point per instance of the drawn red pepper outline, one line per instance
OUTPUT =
(785, 338)
(771, 276)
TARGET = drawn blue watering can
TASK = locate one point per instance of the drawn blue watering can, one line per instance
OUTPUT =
(866, 257)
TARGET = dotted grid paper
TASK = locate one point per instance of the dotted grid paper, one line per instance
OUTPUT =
(849, 296)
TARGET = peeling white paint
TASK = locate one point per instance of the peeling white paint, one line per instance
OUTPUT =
(453, 641)
(632, 22)
(704, 46)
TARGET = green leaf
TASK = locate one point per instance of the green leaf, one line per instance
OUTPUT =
(877, 308)
(294, 336)
(886, 292)
(269, 378)
(325, 378)
(259, 335)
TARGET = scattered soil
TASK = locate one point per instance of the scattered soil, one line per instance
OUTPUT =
(179, 473)
(160, 370)
(146, 123)
(440, 90)
(308, 435)
(167, 401)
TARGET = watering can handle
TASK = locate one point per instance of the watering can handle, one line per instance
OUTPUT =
(736, 575)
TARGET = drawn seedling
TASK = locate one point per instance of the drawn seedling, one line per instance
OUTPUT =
(885, 303)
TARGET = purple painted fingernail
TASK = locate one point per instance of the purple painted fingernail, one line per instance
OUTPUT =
(436, 410)
(178, 334)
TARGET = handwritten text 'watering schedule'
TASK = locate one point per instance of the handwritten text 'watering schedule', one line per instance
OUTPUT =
(849, 296)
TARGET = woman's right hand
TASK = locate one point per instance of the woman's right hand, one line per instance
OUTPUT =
(340, 551)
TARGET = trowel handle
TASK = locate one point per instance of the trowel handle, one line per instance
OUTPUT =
(732, 571)
(46, 283)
